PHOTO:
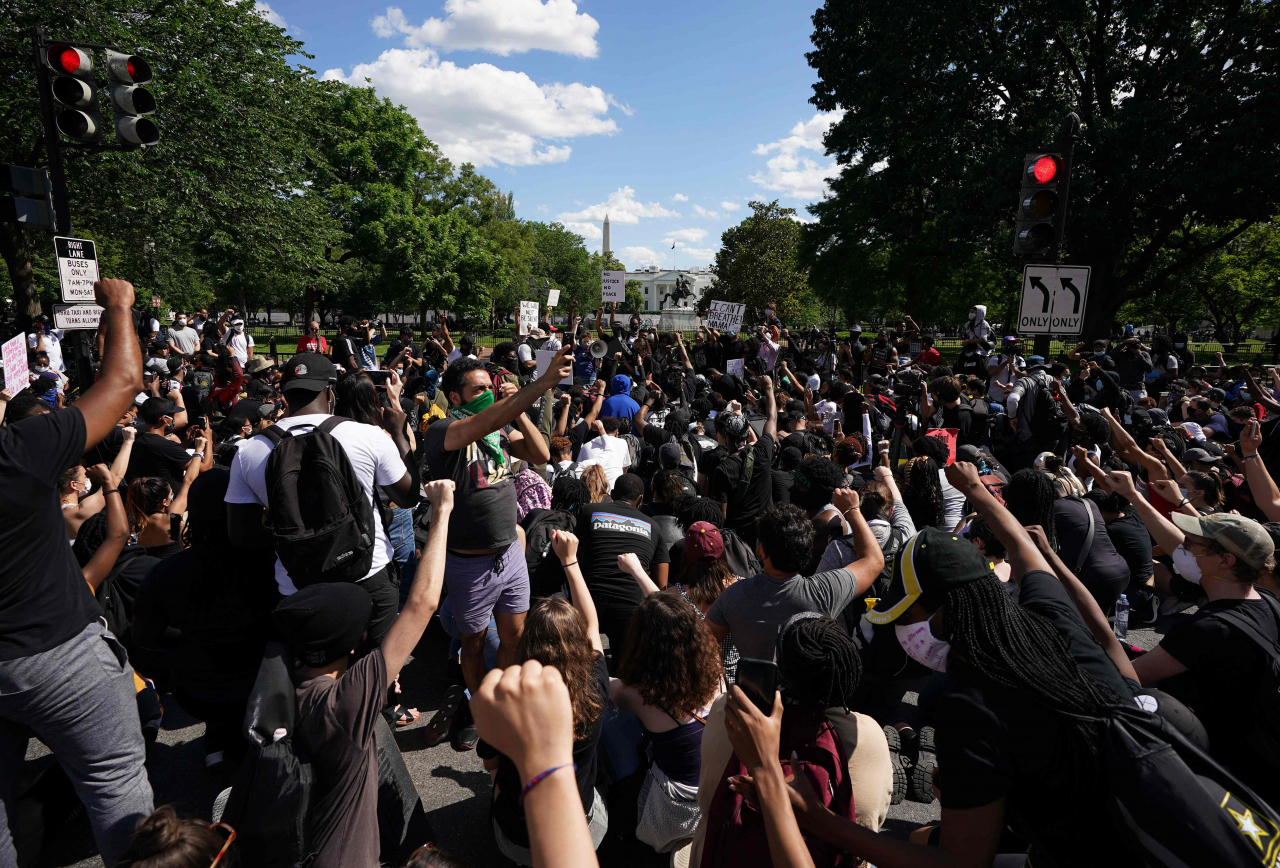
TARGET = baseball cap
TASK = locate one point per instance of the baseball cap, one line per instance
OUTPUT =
(308, 371)
(155, 409)
(669, 455)
(1201, 455)
(930, 564)
(1035, 361)
(1243, 537)
(703, 540)
(323, 622)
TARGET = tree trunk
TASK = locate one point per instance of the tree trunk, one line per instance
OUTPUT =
(422, 317)
(308, 302)
(17, 257)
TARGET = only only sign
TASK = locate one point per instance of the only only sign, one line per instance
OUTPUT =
(1053, 299)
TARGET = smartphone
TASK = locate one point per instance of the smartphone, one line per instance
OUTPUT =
(759, 680)
(380, 378)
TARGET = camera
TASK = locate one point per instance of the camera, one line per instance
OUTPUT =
(909, 384)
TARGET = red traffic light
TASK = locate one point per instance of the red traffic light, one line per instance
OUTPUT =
(1044, 169)
(72, 61)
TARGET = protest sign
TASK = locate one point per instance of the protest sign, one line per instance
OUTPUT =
(733, 366)
(17, 376)
(544, 358)
(528, 316)
(725, 316)
(553, 297)
(613, 286)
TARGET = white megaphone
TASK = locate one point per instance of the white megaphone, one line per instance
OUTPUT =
(599, 349)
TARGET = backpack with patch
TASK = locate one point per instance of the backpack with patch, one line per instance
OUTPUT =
(735, 834)
(546, 576)
(1048, 419)
(202, 379)
(320, 518)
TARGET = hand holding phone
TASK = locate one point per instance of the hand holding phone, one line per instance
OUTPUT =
(759, 681)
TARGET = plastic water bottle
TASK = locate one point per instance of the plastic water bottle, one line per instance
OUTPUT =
(1122, 617)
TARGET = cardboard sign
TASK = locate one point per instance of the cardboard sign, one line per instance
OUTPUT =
(613, 286)
(17, 376)
(544, 359)
(733, 366)
(553, 298)
(725, 316)
(76, 316)
(528, 316)
(77, 267)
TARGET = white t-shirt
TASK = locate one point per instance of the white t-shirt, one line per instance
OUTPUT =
(829, 413)
(239, 344)
(455, 354)
(611, 453)
(52, 346)
(371, 452)
(1002, 383)
(524, 353)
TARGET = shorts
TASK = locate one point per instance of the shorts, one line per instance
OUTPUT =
(480, 585)
(597, 826)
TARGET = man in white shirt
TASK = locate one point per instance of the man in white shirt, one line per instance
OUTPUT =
(608, 449)
(52, 343)
(241, 344)
(1004, 369)
(308, 381)
(466, 349)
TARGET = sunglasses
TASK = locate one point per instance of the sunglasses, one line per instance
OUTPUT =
(231, 836)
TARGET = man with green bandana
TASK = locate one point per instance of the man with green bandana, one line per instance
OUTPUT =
(474, 446)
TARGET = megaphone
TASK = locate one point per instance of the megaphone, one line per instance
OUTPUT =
(599, 349)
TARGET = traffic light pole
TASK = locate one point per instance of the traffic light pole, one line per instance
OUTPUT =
(57, 174)
(1068, 134)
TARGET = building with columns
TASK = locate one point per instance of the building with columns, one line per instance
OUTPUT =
(656, 284)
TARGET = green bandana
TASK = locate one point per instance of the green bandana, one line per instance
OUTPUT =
(490, 443)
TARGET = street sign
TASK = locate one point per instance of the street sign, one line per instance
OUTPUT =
(528, 316)
(613, 286)
(553, 298)
(155, 301)
(1053, 299)
(17, 376)
(76, 316)
(725, 316)
(77, 267)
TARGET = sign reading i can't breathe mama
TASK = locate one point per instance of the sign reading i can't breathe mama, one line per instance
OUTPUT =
(725, 316)
(77, 267)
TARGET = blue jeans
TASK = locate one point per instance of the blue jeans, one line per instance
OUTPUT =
(405, 551)
(455, 638)
(78, 698)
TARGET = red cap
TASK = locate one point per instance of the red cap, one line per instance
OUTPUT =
(703, 540)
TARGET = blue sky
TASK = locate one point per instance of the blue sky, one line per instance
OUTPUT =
(670, 116)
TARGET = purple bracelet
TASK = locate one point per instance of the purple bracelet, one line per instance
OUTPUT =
(540, 777)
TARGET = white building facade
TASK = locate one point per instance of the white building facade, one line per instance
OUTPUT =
(657, 284)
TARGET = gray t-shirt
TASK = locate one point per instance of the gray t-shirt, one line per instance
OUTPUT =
(185, 339)
(755, 609)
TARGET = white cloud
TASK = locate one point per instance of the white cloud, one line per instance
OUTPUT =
(705, 254)
(797, 175)
(685, 235)
(699, 211)
(730, 206)
(542, 209)
(586, 230)
(636, 256)
(679, 197)
(621, 207)
(481, 114)
(272, 16)
(503, 27)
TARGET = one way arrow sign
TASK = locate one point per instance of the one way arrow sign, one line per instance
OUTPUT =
(1053, 299)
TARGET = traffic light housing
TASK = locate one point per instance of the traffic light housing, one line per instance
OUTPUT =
(75, 90)
(130, 101)
(1041, 204)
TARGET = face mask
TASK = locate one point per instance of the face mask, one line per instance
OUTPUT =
(1098, 385)
(1186, 565)
(41, 368)
(1244, 395)
(972, 316)
(970, 352)
(922, 646)
(239, 329)
(769, 311)
(182, 323)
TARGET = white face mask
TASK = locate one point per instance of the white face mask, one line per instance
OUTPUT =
(1186, 565)
(973, 315)
(182, 323)
(239, 329)
(922, 646)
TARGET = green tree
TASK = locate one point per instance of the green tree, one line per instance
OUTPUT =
(634, 298)
(941, 101)
(757, 263)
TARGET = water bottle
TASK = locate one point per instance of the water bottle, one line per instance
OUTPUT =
(1122, 617)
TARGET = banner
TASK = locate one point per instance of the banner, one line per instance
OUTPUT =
(17, 376)
(725, 316)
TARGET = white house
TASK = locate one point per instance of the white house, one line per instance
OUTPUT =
(657, 284)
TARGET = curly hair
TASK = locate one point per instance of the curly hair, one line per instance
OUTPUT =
(555, 635)
(922, 492)
(671, 658)
(597, 483)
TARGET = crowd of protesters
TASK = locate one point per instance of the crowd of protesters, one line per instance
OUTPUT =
(727, 598)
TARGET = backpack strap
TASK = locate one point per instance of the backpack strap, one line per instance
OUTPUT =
(1088, 537)
(327, 426)
(275, 434)
(1238, 621)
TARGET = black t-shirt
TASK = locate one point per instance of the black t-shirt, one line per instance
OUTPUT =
(730, 386)
(484, 511)
(960, 417)
(343, 350)
(782, 480)
(1133, 543)
(1103, 564)
(745, 503)
(606, 530)
(994, 742)
(394, 348)
(1225, 668)
(154, 455)
(507, 812)
(971, 365)
(44, 600)
(259, 390)
(213, 610)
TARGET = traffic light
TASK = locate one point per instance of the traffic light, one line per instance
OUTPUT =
(1041, 204)
(32, 205)
(126, 75)
(76, 90)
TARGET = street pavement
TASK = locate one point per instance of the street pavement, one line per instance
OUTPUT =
(454, 787)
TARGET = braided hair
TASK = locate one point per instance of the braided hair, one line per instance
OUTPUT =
(818, 662)
(922, 493)
(1029, 495)
(1022, 650)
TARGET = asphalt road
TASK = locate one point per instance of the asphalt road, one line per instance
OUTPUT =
(454, 787)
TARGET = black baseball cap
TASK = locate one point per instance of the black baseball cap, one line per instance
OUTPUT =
(155, 409)
(307, 371)
(323, 622)
(928, 566)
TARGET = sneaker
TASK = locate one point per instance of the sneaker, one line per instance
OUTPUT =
(920, 785)
(899, 764)
(462, 730)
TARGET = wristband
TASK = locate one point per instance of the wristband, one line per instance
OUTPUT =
(1254, 455)
(1185, 501)
(540, 777)
(571, 563)
(107, 491)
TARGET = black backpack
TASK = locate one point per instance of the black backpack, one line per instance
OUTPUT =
(320, 518)
(1048, 420)
(546, 576)
(1264, 735)
(571, 470)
